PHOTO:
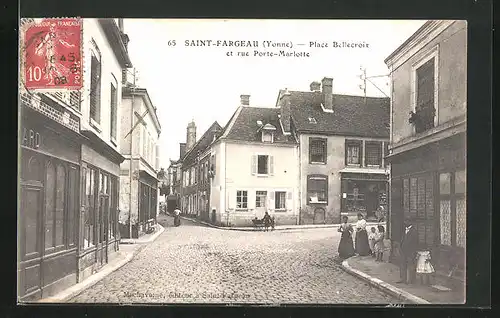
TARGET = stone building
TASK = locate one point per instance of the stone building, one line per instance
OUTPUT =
(428, 141)
(140, 130)
(70, 161)
(342, 140)
(254, 169)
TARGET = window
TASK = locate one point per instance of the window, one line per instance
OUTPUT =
(418, 205)
(114, 105)
(424, 91)
(317, 150)
(280, 200)
(453, 208)
(242, 199)
(373, 153)
(353, 152)
(90, 182)
(260, 199)
(317, 189)
(262, 165)
(267, 136)
(95, 88)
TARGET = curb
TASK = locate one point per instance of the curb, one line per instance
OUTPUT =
(77, 289)
(252, 229)
(149, 240)
(385, 287)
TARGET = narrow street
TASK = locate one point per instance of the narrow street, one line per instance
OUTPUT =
(198, 264)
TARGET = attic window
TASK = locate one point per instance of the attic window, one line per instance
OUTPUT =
(268, 133)
(259, 122)
(312, 120)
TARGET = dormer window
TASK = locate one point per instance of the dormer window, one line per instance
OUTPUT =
(312, 120)
(268, 133)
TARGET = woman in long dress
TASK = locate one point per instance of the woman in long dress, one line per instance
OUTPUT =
(362, 247)
(346, 248)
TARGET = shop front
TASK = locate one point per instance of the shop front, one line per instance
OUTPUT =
(48, 206)
(148, 202)
(428, 187)
(364, 193)
(99, 235)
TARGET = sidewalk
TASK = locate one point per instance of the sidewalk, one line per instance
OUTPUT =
(276, 228)
(128, 250)
(384, 275)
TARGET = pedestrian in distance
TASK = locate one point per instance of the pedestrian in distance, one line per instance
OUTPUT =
(371, 240)
(346, 247)
(379, 243)
(273, 222)
(408, 253)
(361, 247)
(177, 216)
(267, 221)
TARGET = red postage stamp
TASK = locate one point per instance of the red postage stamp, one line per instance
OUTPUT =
(52, 54)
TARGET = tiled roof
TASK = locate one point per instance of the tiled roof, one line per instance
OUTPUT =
(351, 116)
(246, 127)
(201, 144)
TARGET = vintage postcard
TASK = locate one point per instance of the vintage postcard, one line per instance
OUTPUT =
(242, 161)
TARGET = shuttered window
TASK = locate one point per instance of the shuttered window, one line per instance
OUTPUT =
(418, 205)
(317, 150)
(280, 200)
(262, 165)
(424, 107)
(95, 89)
(373, 153)
(353, 152)
(114, 105)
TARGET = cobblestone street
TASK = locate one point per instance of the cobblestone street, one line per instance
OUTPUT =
(197, 264)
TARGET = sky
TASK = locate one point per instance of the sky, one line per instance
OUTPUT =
(204, 84)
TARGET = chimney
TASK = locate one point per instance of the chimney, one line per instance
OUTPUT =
(245, 100)
(190, 135)
(182, 148)
(327, 91)
(285, 111)
(315, 86)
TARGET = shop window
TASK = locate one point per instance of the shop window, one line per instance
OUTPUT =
(317, 189)
(90, 182)
(353, 152)
(453, 208)
(280, 200)
(373, 153)
(72, 205)
(317, 150)
(241, 199)
(260, 199)
(386, 153)
(355, 198)
(50, 188)
(31, 207)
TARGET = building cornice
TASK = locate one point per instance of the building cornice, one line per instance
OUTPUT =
(414, 44)
(443, 131)
(127, 91)
(115, 39)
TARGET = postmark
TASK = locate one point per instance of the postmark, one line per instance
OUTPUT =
(51, 56)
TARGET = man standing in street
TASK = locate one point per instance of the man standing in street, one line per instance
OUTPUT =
(408, 253)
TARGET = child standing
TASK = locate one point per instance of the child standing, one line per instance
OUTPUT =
(424, 266)
(371, 240)
(379, 243)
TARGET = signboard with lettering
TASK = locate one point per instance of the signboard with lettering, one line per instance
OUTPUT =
(52, 54)
(31, 138)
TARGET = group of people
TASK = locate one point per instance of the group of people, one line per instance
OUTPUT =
(364, 244)
(412, 261)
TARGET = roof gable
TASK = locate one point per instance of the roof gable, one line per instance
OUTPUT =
(351, 116)
(250, 121)
(203, 143)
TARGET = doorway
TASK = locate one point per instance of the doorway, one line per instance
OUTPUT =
(260, 204)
